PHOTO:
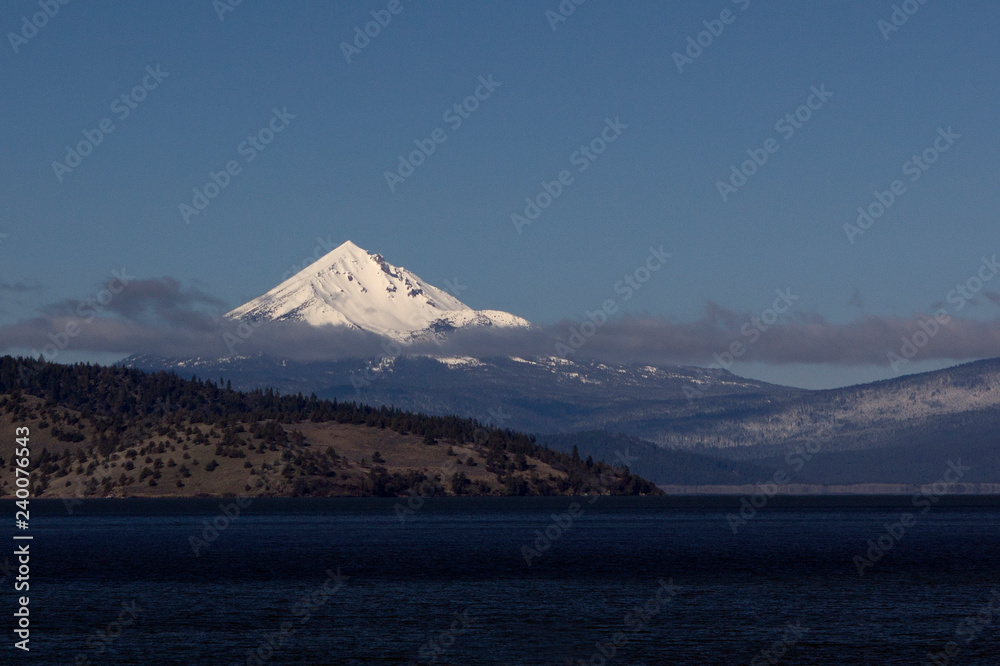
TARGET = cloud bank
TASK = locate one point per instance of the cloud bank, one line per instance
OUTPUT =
(161, 317)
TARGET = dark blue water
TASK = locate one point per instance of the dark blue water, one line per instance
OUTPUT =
(119, 583)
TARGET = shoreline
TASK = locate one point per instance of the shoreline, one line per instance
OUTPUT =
(150, 506)
(853, 489)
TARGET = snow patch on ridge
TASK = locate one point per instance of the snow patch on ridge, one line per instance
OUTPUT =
(458, 361)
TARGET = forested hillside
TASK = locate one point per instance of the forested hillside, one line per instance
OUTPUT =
(101, 431)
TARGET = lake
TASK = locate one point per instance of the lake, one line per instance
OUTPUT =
(512, 581)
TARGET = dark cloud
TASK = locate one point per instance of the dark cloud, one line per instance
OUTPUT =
(808, 338)
(150, 301)
(19, 287)
(190, 335)
(163, 318)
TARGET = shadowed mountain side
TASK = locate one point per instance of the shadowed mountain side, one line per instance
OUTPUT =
(919, 455)
(925, 459)
(660, 465)
(536, 395)
(911, 425)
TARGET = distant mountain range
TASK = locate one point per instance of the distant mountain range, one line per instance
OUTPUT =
(684, 419)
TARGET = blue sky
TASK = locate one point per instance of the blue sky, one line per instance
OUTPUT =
(322, 176)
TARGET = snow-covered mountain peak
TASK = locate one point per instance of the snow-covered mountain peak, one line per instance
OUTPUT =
(361, 290)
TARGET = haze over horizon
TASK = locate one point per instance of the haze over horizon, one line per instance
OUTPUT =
(620, 144)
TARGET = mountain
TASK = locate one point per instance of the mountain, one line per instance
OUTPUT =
(352, 288)
(114, 432)
(542, 395)
(881, 414)
(900, 430)
(362, 291)
(663, 465)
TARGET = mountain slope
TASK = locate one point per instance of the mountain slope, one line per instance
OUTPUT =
(547, 395)
(884, 414)
(900, 430)
(352, 288)
(108, 431)
(677, 408)
(661, 465)
(361, 290)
